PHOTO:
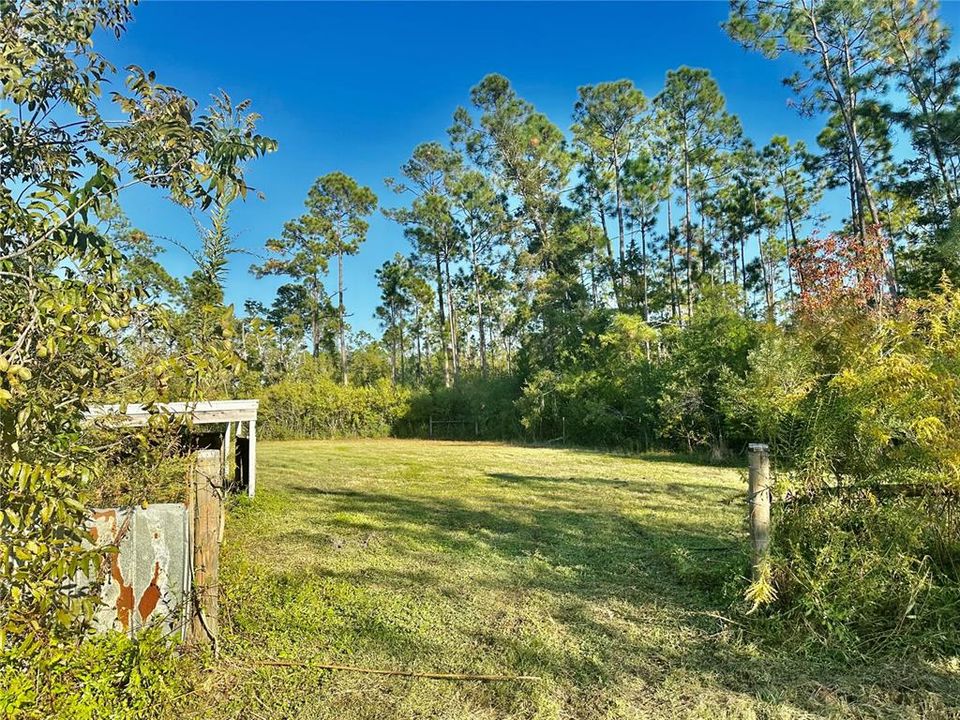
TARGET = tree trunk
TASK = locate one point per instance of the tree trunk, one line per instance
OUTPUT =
(341, 324)
(594, 295)
(743, 275)
(933, 132)
(419, 330)
(393, 353)
(860, 166)
(855, 218)
(481, 331)
(315, 318)
(688, 229)
(792, 245)
(703, 237)
(674, 284)
(787, 241)
(452, 316)
(895, 278)
(730, 241)
(611, 263)
(643, 271)
(846, 102)
(621, 235)
(447, 381)
(403, 369)
(767, 286)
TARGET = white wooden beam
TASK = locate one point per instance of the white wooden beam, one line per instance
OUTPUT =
(199, 413)
(252, 457)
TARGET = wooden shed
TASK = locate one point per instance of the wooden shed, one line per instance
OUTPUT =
(239, 418)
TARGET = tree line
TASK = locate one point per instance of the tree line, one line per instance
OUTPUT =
(521, 233)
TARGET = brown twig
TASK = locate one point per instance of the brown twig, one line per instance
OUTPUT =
(400, 673)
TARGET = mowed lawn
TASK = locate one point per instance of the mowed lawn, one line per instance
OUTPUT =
(601, 574)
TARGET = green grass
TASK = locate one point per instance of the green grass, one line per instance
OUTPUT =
(608, 576)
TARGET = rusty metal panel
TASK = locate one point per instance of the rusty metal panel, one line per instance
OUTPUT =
(146, 583)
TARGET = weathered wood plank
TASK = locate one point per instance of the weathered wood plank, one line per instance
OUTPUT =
(207, 512)
(207, 412)
(252, 457)
(759, 500)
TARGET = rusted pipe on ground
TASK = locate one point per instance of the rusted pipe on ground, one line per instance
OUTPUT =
(400, 673)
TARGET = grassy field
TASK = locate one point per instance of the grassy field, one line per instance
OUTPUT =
(607, 576)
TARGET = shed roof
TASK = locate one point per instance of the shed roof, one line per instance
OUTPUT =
(205, 412)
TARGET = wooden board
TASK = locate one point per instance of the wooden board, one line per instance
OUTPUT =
(199, 413)
(206, 508)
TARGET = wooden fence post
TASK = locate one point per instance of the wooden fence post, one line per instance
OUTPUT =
(758, 500)
(252, 458)
(431, 426)
(207, 513)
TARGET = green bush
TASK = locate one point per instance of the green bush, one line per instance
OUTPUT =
(99, 678)
(595, 408)
(860, 396)
(633, 387)
(474, 407)
(865, 573)
(707, 354)
(862, 408)
(604, 395)
(309, 404)
(627, 386)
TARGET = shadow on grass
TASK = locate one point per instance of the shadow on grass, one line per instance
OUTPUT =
(635, 486)
(587, 553)
(604, 547)
(731, 460)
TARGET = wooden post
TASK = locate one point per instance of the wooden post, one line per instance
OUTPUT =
(226, 447)
(207, 512)
(758, 500)
(431, 426)
(252, 458)
(563, 430)
(241, 460)
(246, 458)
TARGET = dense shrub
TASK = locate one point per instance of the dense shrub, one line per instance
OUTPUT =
(862, 408)
(474, 407)
(864, 572)
(628, 386)
(633, 387)
(308, 404)
(705, 357)
(861, 397)
(595, 408)
(606, 396)
(109, 676)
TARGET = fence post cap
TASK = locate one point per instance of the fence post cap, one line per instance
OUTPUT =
(758, 447)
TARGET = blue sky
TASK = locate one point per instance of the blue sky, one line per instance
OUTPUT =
(355, 86)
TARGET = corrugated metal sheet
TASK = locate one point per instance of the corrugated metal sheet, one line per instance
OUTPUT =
(147, 582)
